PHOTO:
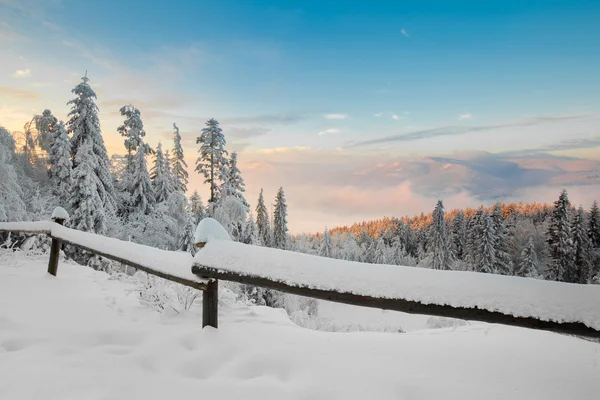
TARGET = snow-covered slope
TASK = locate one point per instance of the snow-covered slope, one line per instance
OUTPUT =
(80, 336)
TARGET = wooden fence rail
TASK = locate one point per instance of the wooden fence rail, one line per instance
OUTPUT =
(211, 275)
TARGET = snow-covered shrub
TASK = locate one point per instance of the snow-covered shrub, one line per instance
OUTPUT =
(162, 295)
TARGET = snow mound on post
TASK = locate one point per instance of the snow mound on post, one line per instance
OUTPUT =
(210, 229)
(60, 213)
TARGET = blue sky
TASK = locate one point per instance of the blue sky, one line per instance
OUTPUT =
(339, 84)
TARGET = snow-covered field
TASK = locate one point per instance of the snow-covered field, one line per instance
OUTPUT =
(82, 336)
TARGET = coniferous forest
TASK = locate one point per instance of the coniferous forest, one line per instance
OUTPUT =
(142, 195)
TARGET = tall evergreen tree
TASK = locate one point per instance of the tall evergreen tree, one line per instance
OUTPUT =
(438, 240)
(83, 125)
(560, 240)
(60, 165)
(594, 226)
(528, 262)
(262, 221)
(234, 183)
(326, 247)
(459, 235)
(160, 177)
(503, 264)
(486, 245)
(582, 250)
(132, 130)
(140, 187)
(212, 162)
(471, 250)
(280, 229)
(250, 231)
(12, 206)
(87, 213)
(45, 126)
(179, 165)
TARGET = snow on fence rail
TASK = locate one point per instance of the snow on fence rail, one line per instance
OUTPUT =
(552, 306)
(524, 302)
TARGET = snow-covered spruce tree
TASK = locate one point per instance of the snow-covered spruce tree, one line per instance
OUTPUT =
(560, 240)
(161, 181)
(504, 264)
(250, 234)
(459, 235)
(262, 221)
(438, 240)
(132, 130)
(234, 183)
(594, 226)
(528, 262)
(471, 250)
(180, 173)
(326, 247)
(280, 230)
(60, 165)
(381, 252)
(88, 213)
(486, 245)
(212, 162)
(140, 187)
(83, 125)
(582, 250)
(186, 239)
(196, 207)
(12, 206)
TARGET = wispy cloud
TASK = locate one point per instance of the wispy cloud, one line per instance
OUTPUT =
(21, 73)
(457, 130)
(378, 115)
(14, 93)
(404, 32)
(464, 116)
(328, 131)
(336, 116)
(395, 117)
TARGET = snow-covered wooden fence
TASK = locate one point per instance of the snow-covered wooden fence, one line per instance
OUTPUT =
(522, 302)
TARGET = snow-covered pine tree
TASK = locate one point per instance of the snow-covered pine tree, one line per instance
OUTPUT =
(560, 240)
(486, 245)
(326, 247)
(528, 262)
(12, 206)
(168, 171)
(161, 180)
(262, 221)
(84, 124)
(381, 252)
(438, 240)
(196, 207)
(88, 213)
(180, 173)
(140, 187)
(212, 162)
(186, 239)
(60, 165)
(504, 265)
(250, 232)
(594, 226)
(459, 235)
(234, 183)
(471, 250)
(582, 250)
(280, 229)
(132, 130)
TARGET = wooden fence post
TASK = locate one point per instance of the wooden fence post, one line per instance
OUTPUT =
(55, 251)
(210, 304)
(210, 300)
